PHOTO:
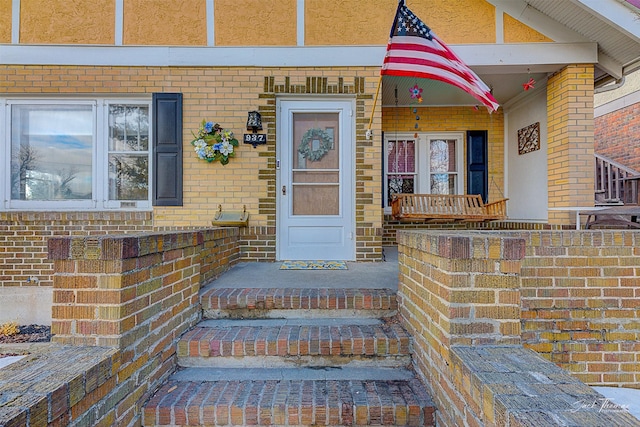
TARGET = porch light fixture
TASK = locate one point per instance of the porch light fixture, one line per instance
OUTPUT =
(254, 121)
(254, 124)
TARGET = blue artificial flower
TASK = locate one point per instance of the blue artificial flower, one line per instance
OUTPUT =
(208, 127)
(218, 146)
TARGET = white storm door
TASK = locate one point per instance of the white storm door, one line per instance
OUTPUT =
(315, 190)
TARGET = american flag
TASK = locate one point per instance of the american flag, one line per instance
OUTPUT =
(414, 51)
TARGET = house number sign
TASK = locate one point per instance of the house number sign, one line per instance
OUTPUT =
(255, 139)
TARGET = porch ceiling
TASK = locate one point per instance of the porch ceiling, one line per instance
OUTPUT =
(505, 88)
(613, 24)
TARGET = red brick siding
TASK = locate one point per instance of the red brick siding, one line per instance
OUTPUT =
(617, 136)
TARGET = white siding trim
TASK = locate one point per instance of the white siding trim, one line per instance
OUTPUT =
(211, 40)
(119, 24)
(499, 25)
(617, 104)
(300, 22)
(5, 163)
(484, 58)
(15, 21)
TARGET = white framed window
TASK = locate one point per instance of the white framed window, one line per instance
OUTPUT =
(63, 154)
(423, 163)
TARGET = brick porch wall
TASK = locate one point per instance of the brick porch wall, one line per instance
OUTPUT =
(580, 303)
(471, 298)
(136, 295)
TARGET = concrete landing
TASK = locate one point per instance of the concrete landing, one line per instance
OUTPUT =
(366, 275)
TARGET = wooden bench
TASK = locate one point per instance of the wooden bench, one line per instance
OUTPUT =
(468, 207)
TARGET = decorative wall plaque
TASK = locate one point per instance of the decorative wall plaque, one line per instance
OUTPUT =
(529, 138)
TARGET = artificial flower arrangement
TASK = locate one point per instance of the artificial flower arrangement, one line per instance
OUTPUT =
(213, 143)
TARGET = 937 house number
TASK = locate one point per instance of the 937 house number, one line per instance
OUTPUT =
(255, 138)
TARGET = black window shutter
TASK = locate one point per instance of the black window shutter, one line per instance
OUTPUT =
(167, 149)
(477, 163)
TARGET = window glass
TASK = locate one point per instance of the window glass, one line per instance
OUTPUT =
(128, 152)
(76, 154)
(52, 152)
(442, 160)
(423, 163)
(401, 167)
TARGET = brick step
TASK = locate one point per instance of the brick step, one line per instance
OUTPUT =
(303, 342)
(291, 402)
(297, 302)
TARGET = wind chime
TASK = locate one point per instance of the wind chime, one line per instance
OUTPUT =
(416, 93)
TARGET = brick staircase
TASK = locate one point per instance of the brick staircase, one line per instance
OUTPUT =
(294, 357)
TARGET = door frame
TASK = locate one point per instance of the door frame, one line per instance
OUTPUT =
(347, 171)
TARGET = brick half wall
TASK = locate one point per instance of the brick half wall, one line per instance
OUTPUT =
(467, 298)
(136, 295)
(581, 303)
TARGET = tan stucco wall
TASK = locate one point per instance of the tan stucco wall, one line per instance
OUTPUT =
(67, 21)
(5, 21)
(167, 22)
(516, 32)
(369, 21)
(246, 22)
(251, 23)
(359, 22)
(460, 21)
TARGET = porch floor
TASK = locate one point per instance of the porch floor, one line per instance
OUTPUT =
(367, 275)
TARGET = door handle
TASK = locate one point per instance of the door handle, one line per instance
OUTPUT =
(284, 190)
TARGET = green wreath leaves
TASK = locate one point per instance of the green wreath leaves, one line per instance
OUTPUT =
(306, 146)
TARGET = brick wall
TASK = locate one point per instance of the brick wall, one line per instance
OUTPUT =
(570, 141)
(617, 136)
(224, 95)
(134, 294)
(457, 289)
(570, 295)
(23, 239)
(580, 306)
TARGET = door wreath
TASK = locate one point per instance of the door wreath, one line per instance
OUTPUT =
(315, 144)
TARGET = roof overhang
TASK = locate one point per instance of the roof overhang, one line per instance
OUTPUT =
(503, 67)
(612, 24)
(488, 58)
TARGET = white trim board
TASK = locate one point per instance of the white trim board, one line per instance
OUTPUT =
(484, 58)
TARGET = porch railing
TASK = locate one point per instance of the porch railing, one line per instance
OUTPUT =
(615, 183)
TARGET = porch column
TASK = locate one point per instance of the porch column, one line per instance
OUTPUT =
(570, 142)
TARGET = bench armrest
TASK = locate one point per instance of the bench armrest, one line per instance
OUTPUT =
(499, 207)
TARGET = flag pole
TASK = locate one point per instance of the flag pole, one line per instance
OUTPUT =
(375, 99)
(373, 109)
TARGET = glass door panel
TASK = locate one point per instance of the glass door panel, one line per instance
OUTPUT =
(316, 159)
